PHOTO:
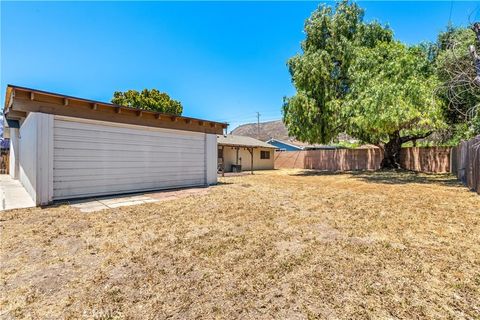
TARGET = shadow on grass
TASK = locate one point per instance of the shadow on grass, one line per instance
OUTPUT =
(391, 177)
(221, 183)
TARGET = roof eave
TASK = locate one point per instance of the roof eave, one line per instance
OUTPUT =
(244, 146)
(10, 94)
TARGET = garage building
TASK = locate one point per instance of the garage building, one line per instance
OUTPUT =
(63, 147)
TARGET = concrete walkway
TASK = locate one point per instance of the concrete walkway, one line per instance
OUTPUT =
(110, 202)
(13, 195)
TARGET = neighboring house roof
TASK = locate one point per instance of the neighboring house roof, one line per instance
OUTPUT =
(241, 141)
(20, 100)
(285, 143)
(301, 145)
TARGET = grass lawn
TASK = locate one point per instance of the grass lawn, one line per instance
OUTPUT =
(280, 244)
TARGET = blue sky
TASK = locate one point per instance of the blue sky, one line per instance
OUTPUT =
(223, 60)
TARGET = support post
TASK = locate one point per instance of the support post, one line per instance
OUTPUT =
(223, 161)
(14, 160)
(251, 159)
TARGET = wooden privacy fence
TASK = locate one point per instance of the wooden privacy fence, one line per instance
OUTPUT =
(330, 160)
(466, 163)
(427, 159)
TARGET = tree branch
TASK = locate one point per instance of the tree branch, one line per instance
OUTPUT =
(410, 138)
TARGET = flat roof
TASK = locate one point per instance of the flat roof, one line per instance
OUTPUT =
(242, 141)
(21, 99)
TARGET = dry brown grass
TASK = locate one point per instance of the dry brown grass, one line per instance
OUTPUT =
(282, 244)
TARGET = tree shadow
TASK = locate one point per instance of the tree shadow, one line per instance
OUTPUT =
(392, 177)
(311, 172)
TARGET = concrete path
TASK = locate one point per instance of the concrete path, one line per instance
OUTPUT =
(13, 195)
(97, 204)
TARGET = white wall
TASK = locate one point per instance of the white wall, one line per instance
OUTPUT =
(36, 156)
(211, 158)
(14, 153)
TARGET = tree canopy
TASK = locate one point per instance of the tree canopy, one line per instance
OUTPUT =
(353, 77)
(152, 100)
(392, 95)
(320, 74)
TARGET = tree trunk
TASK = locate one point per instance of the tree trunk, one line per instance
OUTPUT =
(391, 152)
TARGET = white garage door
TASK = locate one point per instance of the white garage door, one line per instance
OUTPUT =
(100, 158)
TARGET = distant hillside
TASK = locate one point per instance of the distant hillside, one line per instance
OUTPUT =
(277, 130)
(271, 129)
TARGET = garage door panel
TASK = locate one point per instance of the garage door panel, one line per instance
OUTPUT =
(147, 136)
(79, 128)
(99, 154)
(104, 173)
(82, 145)
(115, 139)
(122, 158)
(81, 192)
(93, 157)
(109, 181)
(161, 145)
(146, 166)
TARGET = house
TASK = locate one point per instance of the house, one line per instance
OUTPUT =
(283, 145)
(237, 153)
(296, 145)
(63, 147)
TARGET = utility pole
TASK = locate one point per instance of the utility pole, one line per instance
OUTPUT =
(258, 125)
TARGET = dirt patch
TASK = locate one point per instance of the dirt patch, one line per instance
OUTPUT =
(282, 244)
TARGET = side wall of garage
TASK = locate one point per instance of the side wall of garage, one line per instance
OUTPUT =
(35, 156)
(211, 157)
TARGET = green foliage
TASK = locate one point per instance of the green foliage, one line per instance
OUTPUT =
(347, 144)
(152, 100)
(321, 73)
(456, 71)
(353, 77)
(391, 94)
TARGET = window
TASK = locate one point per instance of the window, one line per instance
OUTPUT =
(264, 154)
(220, 153)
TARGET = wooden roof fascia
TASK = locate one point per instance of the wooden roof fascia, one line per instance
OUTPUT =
(83, 109)
(34, 95)
(10, 95)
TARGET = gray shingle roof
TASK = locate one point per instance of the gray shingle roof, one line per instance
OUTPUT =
(242, 141)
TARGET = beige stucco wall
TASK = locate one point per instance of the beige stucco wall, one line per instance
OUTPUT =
(230, 156)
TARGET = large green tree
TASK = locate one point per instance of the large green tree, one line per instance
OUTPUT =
(353, 77)
(320, 73)
(152, 100)
(391, 99)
